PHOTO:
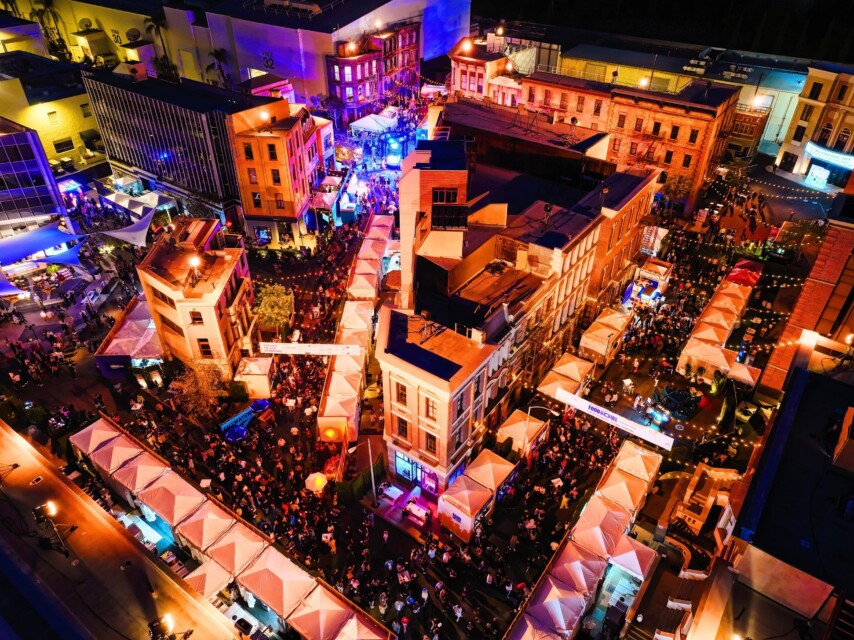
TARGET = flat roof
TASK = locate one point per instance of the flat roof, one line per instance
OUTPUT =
(333, 16)
(478, 51)
(620, 187)
(627, 58)
(187, 94)
(547, 225)
(10, 126)
(570, 81)
(498, 283)
(43, 79)
(796, 506)
(445, 155)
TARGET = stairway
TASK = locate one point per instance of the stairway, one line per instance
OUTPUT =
(843, 625)
(634, 632)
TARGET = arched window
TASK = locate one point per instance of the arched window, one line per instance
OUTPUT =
(824, 134)
(842, 139)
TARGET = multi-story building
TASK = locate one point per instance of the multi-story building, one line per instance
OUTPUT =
(197, 283)
(278, 162)
(483, 74)
(28, 192)
(683, 134)
(380, 67)
(48, 96)
(18, 34)
(819, 144)
(174, 137)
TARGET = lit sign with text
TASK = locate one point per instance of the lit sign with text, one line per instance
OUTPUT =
(833, 157)
(310, 349)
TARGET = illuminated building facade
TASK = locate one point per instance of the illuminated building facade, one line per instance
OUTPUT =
(482, 74)
(819, 144)
(197, 283)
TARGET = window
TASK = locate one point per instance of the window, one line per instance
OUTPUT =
(256, 199)
(638, 124)
(461, 405)
(86, 110)
(271, 152)
(444, 196)
(348, 74)
(686, 160)
(247, 151)
(633, 149)
(400, 393)
(166, 322)
(798, 135)
(402, 427)
(674, 132)
(478, 383)
(280, 201)
(656, 128)
(374, 67)
(564, 100)
(615, 146)
(692, 137)
(668, 157)
(205, 348)
(842, 140)
(430, 442)
(840, 95)
(806, 113)
(650, 153)
(597, 107)
(824, 134)
(358, 72)
(64, 145)
(276, 175)
(430, 409)
(196, 317)
(621, 121)
(815, 90)
(53, 118)
(348, 94)
(163, 298)
(464, 79)
(547, 97)
(368, 89)
(336, 71)
(579, 105)
(359, 90)
(531, 96)
(472, 81)
(253, 175)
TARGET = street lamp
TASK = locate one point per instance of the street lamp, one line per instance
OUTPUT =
(528, 418)
(195, 261)
(43, 515)
(467, 45)
(352, 450)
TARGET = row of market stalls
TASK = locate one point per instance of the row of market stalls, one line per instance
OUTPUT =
(368, 269)
(598, 566)
(227, 549)
(706, 346)
(604, 338)
(570, 373)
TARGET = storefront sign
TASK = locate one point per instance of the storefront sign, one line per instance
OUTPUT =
(242, 419)
(645, 433)
(833, 157)
(310, 349)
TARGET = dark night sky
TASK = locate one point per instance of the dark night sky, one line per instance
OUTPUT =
(820, 29)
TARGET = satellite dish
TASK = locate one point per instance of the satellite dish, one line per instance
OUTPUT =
(84, 24)
(132, 35)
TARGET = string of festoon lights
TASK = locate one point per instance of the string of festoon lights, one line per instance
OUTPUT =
(815, 194)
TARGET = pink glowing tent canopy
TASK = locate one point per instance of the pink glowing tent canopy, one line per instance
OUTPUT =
(237, 548)
(87, 440)
(320, 616)
(579, 568)
(526, 628)
(623, 488)
(573, 367)
(209, 579)
(140, 472)
(522, 429)
(360, 627)
(555, 381)
(204, 527)
(638, 461)
(277, 582)
(556, 607)
(634, 557)
(172, 498)
(112, 455)
(600, 526)
(490, 470)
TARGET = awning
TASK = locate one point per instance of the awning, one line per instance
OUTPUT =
(320, 616)
(136, 233)
(15, 248)
(172, 498)
(746, 272)
(277, 582)
(7, 288)
(237, 548)
(634, 557)
(70, 257)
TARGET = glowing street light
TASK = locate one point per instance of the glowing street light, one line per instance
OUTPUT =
(195, 261)
(467, 46)
(50, 508)
(644, 82)
(351, 46)
(509, 66)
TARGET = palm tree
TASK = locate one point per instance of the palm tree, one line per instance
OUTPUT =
(12, 7)
(156, 25)
(41, 14)
(220, 59)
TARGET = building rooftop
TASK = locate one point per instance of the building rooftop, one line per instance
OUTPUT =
(325, 17)
(8, 21)
(138, 7)
(799, 505)
(833, 67)
(627, 58)
(187, 94)
(9, 126)
(445, 155)
(43, 79)
(611, 194)
(440, 352)
(546, 225)
(571, 81)
(476, 51)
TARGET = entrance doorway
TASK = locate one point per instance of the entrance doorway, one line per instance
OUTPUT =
(788, 161)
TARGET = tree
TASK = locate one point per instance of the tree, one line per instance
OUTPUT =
(328, 105)
(220, 59)
(44, 12)
(201, 386)
(196, 208)
(676, 189)
(165, 69)
(156, 25)
(12, 7)
(275, 306)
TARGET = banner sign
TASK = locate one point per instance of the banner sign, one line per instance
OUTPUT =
(645, 433)
(311, 349)
(242, 419)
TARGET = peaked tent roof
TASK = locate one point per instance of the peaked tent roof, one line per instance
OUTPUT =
(69, 256)
(89, 439)
(710, 333)
(342, 383)
(7, 288)
(357, 315)
(578, 568)
(172, 498)
(140, 472)
(520, 428)
(573, 367)
(490, 470)
(372, 250)
(209, 579)
(115, 453)
(277, 582)
(467, 495)
(554, 381)
(237, 548)
(360, 627)
(745, 272)
(730, 288)
(367, 265)
(526, 629)
(205, 526)
(600, 526)
(320, 615)
(136, 233)
(634, 557)
(623, 488)
(15, 248)
(556, 606)
(638, 461)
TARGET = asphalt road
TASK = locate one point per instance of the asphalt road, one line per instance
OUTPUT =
(109, 602)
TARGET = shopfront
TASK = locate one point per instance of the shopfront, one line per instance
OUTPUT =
(827, 166)
(405, 468)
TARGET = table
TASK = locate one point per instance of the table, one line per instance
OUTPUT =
(419, 514)
(403, 577)
(392, 494)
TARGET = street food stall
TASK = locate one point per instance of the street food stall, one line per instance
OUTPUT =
(237, 548)
(87, 440)
(203, 528)
(623, 489)
(556, 608)
(493, 472)
(113, 454)
(604, 338)
(209, 579)
(525, 432)
(276, 581)
(135, 475)
(462, 505)
(638, 460)
(600, 526)
(257, 375)
(651, 280)
(320, 615)
(338, 418)
(170, 498)
(579, 568)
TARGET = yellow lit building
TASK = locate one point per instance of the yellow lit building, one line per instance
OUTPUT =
(18, 34)
(197, 283)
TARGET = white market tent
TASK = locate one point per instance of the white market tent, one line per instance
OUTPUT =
(698, 354)
(357, 315)
(604, 337)
(719, 317)
(710, 333)
(623, 488)
(579, 568)
(203, 528)
(87, 440)
(638, 461)
(741, 372)
(276, 581)
(113, 454)
(360, 627)
(726, 303)
(348, 364)
(136, 475)
(340, 383)
(461, 504)
(522, 429)
(137, 335)
(600, 526)
(526, 628)
(256, 374)
(237, 548)
(655, 269)
(320, 616)
(378, 231)
(360, 337)
(617, 320)
(367, 265)
(730, 288)
(573, 367)
(172, 498)
(556, 606)
(490, 470)
(633, 557)
(373, 123)
(553, 382)
(209, 579)
(372, 250)
(338, 418)
(363, 286)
